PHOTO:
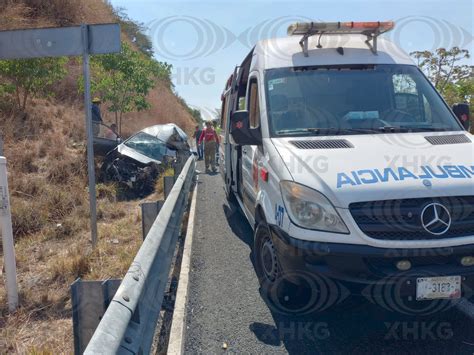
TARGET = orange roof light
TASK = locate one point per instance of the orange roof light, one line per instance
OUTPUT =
(371, 29)
(384, 26)
(301, 28)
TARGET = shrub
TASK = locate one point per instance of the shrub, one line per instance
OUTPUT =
(66, 268)
(110, 211)
(23, 158)
(61, 171)
(107, 191)
(64, 12)
(27, 185)
(68, 228)
(28, 217)
(31, 77)
(61, 202)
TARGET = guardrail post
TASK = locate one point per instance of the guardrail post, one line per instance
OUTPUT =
(149, 212)
(86, 308)
(89, 301)
(181, 159)
(168, 182)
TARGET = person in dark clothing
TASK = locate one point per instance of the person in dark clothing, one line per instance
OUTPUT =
(196, 135)
(96, 116)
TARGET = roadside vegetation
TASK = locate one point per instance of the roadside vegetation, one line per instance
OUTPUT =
(449, 72)
(42, 128)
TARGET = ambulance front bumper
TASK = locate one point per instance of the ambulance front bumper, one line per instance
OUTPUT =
(358, 265)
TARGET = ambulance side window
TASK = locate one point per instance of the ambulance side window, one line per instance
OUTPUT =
(254, 107)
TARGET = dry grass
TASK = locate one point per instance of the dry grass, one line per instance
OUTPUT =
(48, 184)
(51, 259)
(166, 108)
(40, 13)
(47, 179)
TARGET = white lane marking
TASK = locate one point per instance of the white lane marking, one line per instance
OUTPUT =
(178, 324)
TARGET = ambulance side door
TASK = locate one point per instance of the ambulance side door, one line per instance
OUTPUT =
(250, 153)
(224, 146)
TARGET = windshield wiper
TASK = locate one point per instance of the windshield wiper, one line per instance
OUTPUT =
(359, 130)
(299, 130)
(330, 130)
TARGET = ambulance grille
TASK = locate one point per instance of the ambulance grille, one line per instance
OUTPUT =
(323, 144)
(451, 139)
(401, 219)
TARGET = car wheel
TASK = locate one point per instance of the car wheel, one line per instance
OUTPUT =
(266, 261)
(280, 293)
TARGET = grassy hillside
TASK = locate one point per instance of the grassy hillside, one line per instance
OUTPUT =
(45, 149)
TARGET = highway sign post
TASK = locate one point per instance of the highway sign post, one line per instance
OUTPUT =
(58, 42)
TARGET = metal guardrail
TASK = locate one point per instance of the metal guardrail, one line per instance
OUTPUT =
(128, 325)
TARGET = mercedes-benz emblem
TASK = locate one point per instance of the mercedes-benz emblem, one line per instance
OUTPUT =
(435, 218)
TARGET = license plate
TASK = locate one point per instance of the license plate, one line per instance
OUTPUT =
(430, 288)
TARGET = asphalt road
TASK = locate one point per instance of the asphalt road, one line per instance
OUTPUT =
(225, 305)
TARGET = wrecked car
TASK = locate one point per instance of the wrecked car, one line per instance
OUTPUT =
(137, 162)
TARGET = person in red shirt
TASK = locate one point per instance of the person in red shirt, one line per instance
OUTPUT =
(210, 139)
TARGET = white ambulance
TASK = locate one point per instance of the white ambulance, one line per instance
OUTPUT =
(349, 165)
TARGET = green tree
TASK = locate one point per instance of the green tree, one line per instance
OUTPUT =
(161, 71)
(26, 78)
(195, 113)
(134, 30)
(443, 67)
(125, 79)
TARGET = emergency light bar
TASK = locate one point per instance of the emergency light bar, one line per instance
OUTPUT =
(369, 29)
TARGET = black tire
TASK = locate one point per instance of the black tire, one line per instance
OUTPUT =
(281, 294)
(267, 266)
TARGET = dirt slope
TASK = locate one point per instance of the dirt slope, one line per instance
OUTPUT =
(48, 184)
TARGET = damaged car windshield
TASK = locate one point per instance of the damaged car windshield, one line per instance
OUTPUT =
(147, 145)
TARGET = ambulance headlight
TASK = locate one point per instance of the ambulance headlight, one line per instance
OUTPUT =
(310, 209)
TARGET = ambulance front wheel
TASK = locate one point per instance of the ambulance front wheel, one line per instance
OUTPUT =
(277, 291)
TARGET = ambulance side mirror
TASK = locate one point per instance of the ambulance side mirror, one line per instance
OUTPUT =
(463, 114)
(241, 132)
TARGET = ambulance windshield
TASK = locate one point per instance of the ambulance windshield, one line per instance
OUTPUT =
(354, 100)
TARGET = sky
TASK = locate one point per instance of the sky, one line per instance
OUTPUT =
(205, 40)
